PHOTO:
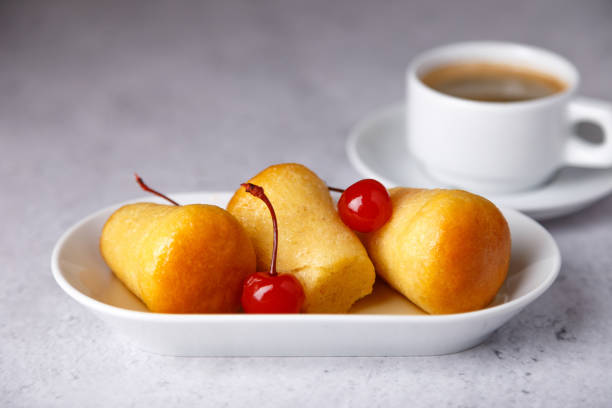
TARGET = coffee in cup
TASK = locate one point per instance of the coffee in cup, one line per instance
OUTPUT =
(490, 82)
(496, 117)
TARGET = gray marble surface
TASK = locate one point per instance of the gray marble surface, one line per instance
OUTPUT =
(201, 95)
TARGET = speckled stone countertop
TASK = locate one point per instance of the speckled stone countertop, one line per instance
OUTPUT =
(201, 95)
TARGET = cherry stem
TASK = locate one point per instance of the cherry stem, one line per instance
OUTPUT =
(142, 184)
(337, 190)
(258, 192)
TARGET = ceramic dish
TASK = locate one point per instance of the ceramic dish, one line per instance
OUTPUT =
(377, 148)
(382, 324)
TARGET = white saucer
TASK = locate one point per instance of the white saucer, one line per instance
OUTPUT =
(381, 324)
(376, 147)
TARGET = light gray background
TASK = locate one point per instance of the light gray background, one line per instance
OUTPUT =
(200, 96)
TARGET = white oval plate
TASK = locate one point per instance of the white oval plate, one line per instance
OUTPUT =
(382, 324)
(377, 148)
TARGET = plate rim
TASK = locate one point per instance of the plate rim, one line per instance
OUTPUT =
(105, 308)
(393, 109)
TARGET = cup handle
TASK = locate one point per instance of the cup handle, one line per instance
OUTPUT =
(581, 153)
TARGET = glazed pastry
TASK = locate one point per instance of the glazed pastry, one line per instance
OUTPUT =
(179, 259)
(314, 245)
(445, 250)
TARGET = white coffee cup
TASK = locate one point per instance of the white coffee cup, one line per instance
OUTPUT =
(501, 147)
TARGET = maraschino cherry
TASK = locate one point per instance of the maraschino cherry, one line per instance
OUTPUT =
(365, 206)
(269, 292)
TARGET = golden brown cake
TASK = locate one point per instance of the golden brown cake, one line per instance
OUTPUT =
(446, 250)
(314, 244)
(179, 259)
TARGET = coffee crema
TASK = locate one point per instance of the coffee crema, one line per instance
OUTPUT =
(491, 82)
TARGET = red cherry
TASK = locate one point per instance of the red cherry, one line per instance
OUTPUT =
(264, 293)
(365, 206)
(269, 292)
